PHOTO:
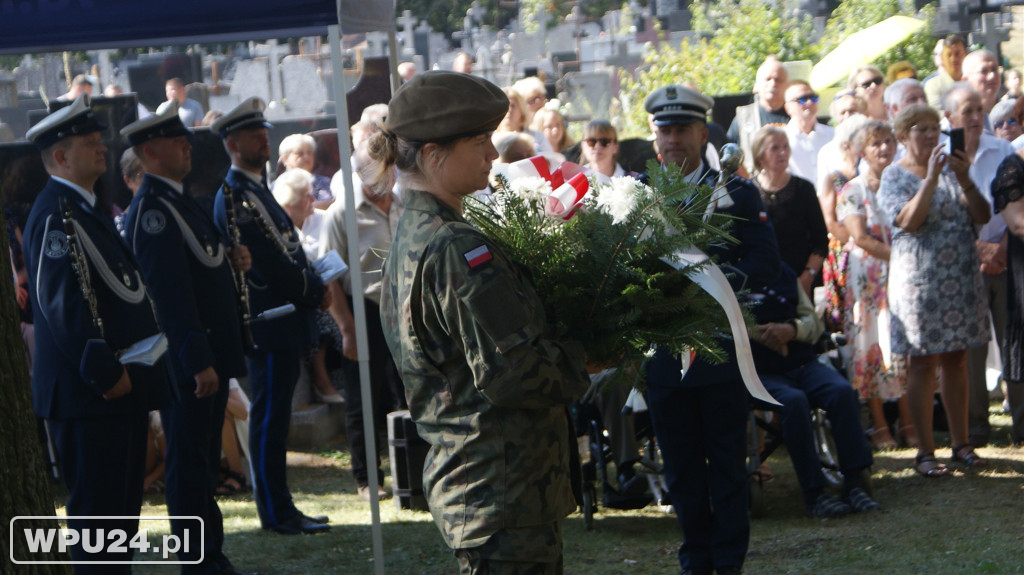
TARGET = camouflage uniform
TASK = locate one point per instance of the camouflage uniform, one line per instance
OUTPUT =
(485, 386)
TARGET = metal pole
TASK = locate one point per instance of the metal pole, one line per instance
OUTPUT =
(356, 279)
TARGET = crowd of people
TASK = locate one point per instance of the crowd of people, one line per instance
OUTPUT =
(900, 216)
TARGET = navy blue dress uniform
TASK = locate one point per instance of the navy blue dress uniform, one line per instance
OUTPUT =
(700, 417)
(101, 443)
(183, 259)
(280, 275)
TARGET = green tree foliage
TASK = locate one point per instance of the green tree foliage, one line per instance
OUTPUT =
(735, 36)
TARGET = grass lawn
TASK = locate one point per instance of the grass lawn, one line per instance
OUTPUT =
(970, 522)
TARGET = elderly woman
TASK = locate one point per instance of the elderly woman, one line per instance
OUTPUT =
(791, 205)
(874, 372)
(294, 191)
(551, 123)
(299, 151)
(1007, 120)
(600, 147)
(487, 383)
(1007, 191)
(869, 83)
(936, 306)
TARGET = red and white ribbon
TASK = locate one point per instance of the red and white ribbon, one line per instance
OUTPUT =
(568, 182)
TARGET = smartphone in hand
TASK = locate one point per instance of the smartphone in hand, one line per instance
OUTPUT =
(956, 141)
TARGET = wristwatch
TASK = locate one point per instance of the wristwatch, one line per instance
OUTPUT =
(811, 271)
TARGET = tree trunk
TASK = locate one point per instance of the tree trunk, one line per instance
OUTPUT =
(24, 483)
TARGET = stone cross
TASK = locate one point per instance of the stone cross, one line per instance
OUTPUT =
(407, 21)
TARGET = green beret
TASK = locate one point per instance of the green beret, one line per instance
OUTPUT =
(439, 106)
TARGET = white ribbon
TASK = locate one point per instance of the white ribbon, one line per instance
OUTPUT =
(711, 279)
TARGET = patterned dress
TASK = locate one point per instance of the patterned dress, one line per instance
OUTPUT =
(833, 269)
(935, 286)
(871, 370)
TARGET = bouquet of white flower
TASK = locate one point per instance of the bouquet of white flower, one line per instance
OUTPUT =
(598, 258)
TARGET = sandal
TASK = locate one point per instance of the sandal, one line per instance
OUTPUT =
(882, 440)
(908, 435)
(928, 466)
(965, 455)
(232, 484)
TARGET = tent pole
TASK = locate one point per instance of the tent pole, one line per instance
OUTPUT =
(356, 279)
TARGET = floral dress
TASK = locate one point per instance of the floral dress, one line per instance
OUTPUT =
(833, 270)
(935, 287)
(872, 370)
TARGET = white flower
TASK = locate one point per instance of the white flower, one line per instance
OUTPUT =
(618, 198)
(531, 189)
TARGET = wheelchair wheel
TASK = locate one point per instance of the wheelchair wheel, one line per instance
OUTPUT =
(589, 505)
(652, 466)
(826, 447)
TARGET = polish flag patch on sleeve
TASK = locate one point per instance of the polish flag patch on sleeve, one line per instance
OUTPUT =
(478, 256)
(763, 216)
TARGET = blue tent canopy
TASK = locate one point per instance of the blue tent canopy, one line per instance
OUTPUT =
(30, 26)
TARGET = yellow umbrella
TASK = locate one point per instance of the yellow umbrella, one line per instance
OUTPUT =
(862, 48)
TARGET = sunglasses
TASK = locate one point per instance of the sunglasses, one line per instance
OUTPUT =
(1007, 123)
(876, 81)
(605, 142)
(804, 100)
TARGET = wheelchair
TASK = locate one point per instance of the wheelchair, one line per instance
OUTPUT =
(597, 459)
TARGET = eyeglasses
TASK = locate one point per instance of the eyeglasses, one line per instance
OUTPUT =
(1007, 123)
(804, 100)
(604, 142)
(876, 81)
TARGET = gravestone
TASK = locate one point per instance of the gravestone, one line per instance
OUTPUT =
(562, 38)
(587, 94)
(304, 90)
(251, 79)
(526, 46)
(41, 74)
(8, 94)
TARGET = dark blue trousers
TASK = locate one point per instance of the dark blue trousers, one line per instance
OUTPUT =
(272, 376)
(814, 385)
(702, 434)
(192, 427)
(103, 462)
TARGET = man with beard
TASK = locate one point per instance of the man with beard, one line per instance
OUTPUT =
(282, 286)
(182, 256)
(377, 211)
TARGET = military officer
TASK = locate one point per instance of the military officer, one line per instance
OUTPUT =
(280, 276)
(487, 384)
(700, 417)
(90, 305)
(183, 260)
